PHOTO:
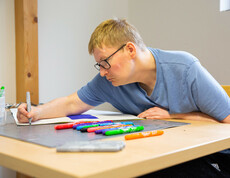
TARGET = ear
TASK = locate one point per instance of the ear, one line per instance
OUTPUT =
(131, 49)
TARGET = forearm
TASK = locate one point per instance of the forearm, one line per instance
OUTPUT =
(199, 116)
(63, 106)
(54, 108)
(159, 113)
(227, 119)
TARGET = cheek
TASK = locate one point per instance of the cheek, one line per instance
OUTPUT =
(123, 68)
(117, 67)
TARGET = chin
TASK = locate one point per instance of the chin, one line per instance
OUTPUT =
(115, 84)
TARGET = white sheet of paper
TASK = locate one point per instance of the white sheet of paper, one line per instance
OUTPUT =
(102, 115)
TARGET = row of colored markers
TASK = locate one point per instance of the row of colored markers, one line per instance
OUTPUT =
(109, 127)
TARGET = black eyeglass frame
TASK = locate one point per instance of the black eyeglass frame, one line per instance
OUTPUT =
(98, 65)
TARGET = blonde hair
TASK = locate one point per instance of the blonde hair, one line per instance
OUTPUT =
(114, 33)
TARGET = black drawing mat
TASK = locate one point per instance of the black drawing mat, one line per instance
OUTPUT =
(46, 135)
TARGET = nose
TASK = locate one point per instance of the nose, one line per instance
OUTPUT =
(103, 72)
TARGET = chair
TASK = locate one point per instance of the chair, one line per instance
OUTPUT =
(227, 89)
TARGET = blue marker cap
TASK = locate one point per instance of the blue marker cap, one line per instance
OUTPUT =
(106, 123)
(127, 123)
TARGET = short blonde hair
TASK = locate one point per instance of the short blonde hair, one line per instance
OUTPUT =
(114, 33)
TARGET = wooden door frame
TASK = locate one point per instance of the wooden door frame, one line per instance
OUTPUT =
(26, 44)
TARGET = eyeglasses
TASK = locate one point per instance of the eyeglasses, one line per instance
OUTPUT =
(104, 63)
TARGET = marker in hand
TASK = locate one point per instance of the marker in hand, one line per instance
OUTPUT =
(28, 104)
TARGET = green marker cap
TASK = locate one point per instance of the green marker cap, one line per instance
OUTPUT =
(2, 91)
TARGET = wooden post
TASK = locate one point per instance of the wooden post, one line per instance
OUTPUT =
(26, 30)
(227, 89)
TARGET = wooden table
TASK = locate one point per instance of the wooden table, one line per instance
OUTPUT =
(139, 157)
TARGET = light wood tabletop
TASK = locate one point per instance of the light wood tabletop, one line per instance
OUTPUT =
(139, 157)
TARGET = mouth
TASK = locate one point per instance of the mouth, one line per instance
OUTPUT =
(110, 79)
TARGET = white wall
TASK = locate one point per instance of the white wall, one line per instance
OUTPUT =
(196, 26)
(7, 49)
(7, 60)
(64, 31)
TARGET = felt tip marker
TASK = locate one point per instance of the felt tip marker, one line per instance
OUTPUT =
(101, 131)
(80, 126)
(126, 130)
(85, 129)
(93, 129)
(105, 130)
(109, 125)
(89, 123)
(64, 126)
(144, 134)
(70, 125)
(87, 126)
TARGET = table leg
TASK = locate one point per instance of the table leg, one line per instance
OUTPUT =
(20, 175)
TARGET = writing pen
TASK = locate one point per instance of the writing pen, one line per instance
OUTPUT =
(28, 104)
(144, 134)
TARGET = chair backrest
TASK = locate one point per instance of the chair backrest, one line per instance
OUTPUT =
(227, 89)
